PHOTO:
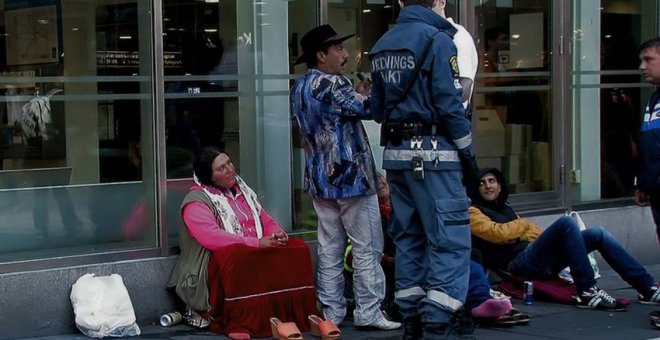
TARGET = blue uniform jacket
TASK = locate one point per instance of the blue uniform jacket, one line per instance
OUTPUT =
(434, 98)
(648, 167)
(339, 162)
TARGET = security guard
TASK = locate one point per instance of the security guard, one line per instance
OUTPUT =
(416, 96)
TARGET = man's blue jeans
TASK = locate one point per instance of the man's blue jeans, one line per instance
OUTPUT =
(563, 244)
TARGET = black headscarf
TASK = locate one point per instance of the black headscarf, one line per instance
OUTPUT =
(495, 256)
(498, 210)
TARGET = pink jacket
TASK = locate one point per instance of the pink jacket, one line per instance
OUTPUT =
(203, 226)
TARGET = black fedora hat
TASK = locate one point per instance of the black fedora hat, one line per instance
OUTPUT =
(316, 39)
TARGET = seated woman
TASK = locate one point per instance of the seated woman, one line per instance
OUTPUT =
(237, 266)
(513, 244)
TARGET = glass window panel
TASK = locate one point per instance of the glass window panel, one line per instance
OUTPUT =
(300, 21)
(512, 118)
(201, 83)
(231, 91)
(75, 99)
(609, 93)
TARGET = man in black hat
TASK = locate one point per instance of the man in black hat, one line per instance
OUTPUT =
(340, 176)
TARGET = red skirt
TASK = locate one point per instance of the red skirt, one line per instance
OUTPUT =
(248, 286)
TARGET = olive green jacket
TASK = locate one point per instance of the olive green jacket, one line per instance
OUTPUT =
(190, 273)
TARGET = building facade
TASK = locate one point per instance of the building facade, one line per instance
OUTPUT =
(105, 102)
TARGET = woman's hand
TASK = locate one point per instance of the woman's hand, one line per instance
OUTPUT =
(278, 239)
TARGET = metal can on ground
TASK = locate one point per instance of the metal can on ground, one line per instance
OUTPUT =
(171, 319)
(528, 292)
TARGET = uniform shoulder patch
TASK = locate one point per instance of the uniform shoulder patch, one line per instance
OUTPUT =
(453, 64)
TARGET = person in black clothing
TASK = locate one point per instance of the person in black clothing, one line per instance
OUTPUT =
(648, 165)
(517, 245)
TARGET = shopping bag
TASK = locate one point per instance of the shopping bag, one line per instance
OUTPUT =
(102, 307)
(566, 272)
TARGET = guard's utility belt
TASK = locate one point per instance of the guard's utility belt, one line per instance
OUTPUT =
(396, 132)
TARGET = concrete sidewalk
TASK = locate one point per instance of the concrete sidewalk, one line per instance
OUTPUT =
(549, 321)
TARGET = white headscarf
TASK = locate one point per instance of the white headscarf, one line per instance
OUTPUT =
(225, 214)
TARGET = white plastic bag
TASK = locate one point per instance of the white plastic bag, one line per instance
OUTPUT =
(103, 307)
(566, 272)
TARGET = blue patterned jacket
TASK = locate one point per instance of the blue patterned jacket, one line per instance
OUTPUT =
(339, 162)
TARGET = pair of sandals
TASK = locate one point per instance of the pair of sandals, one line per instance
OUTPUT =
(324, 329)
(513, 318)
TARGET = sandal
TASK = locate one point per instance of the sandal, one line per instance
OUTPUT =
(500, 321)
(239, 336)
(284, 330)
(506, 320)
(324, 329)
(519, 317)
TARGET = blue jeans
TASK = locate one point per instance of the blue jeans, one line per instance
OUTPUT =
(478, 287)
(563, 244)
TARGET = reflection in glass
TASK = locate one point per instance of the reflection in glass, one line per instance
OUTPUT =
(201, 73)
(609, 92)
(511, 119)
(75, 101)
(619, 105)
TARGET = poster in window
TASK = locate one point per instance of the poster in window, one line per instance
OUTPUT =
(32, 35)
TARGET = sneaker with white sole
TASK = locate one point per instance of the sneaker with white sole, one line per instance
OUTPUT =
(651, 297)
(380, 324)
(655, 319)
(595, 298)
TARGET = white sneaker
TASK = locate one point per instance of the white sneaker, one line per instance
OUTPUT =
(381, 324)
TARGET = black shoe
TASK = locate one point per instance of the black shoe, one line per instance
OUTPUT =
(392, 312)
(412, 328)
(655, 319)
(651, 297)
(435, 331)
(598, 299)
(462, 326)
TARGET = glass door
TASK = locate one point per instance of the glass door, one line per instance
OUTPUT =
(514, 111)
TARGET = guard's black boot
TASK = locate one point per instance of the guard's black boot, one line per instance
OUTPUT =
(462, 326)
(412, 328)
(437, 331)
